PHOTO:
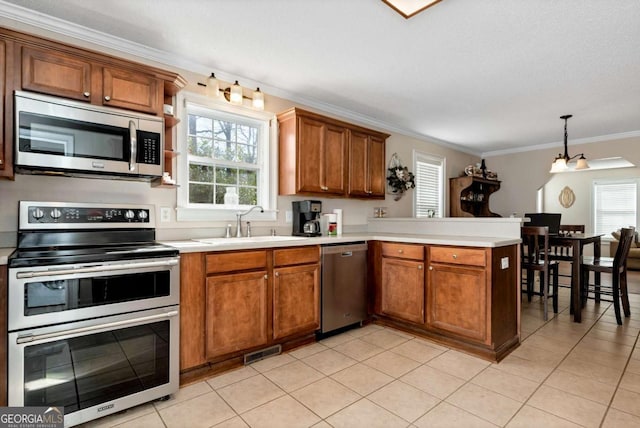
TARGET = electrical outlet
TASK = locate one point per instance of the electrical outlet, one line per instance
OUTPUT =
(504, 263)
(165, 214)
(288, 216)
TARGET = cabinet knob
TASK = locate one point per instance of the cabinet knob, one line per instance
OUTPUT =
(400, 251)
(266, 276)
(430, 267)
(419, 267)
(107, 98)
(455, 256)
(277, 274)
(1, 161)
(86, 94)
(324, 188)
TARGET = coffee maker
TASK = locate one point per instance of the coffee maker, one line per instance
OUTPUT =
(306, 218)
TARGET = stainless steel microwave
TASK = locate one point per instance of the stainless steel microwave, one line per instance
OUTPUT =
(61, 136)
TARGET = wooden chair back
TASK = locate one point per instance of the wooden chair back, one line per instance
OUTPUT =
(535, 244)
(627, 235)
(564, 251)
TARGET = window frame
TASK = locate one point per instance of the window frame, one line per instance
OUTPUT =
(420, 156)
(604, 182)
(267, 186)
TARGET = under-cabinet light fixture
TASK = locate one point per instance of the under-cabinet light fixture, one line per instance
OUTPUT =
(233, 94)
(561, 162)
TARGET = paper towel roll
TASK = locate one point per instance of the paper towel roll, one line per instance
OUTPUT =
(338, 213)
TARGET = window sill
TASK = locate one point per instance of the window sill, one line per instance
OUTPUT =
(223, 214)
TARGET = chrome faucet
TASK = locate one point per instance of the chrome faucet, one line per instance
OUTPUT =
(239, 219)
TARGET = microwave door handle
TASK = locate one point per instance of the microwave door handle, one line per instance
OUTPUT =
(133, 149)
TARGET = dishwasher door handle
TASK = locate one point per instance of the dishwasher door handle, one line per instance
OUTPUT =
(347, 254)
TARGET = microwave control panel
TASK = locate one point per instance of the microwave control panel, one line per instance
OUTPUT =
(149, 150)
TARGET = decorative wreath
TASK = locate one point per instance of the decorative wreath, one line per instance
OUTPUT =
(399, 178)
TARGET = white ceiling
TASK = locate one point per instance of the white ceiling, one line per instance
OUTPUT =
(488, 76)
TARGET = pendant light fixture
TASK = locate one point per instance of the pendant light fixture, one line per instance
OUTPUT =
(561, 162)
(233, 94)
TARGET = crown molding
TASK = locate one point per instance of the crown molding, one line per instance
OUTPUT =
(588, 140)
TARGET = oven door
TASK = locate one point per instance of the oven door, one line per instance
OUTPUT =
(57, 294)
(97, 367)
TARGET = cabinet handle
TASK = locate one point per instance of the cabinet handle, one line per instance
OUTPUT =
(455, 256)
(86, 94)
(266, 276)
(1, 161)
(400, 251)
(419, 267)
(325, 188)
(430, 267)
(277, 274)
(107, 98)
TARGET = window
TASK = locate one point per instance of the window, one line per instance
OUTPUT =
(225, 152)
(429, 192)
(614, 205)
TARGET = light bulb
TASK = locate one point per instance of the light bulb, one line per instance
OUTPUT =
(236, 94)
(213, 87)
(258, 99)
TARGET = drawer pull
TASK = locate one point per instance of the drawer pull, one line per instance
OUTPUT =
(400, 251)
(455, 256)
(325, 188)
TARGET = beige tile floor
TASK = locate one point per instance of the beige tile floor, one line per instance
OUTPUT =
(563, 375)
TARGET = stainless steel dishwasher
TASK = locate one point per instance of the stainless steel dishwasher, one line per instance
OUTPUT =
(344, 285)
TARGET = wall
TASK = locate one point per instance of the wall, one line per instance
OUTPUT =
(70, 189)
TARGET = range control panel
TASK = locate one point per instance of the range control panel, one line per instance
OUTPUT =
(84, 215)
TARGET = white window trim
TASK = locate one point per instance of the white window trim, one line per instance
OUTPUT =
(443, 193)
(192, 212)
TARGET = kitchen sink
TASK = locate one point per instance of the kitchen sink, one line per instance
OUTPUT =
(247, 240)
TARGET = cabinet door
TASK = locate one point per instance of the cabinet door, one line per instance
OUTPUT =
(402, 287)
(457, 300)
(56, 73)
(358, 148)
(334, 159)
(309, 155)
(132, 91)
(296, 300)
(236, 313)
(376, 167)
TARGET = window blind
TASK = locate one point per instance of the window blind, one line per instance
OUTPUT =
(615, 205)
(429, 187)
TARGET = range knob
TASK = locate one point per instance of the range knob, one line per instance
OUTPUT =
(37, 214)
(129, 214)
(142, 214)
(55, 213)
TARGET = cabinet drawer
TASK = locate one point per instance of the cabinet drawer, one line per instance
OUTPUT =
(403, 251)
(459, 256)
(236, 261)
(296, 256)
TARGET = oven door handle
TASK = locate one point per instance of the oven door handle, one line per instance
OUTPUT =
(105, 326)
(94, 269)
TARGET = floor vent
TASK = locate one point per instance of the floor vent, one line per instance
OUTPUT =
(262, 354)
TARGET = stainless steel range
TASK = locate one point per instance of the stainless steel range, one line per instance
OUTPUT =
(93, 309)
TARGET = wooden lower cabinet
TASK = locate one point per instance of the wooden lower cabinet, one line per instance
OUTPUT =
(402, 289)
(236, 313)
(296, 300)
(457, 300)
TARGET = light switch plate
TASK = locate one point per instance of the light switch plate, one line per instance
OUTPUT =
(165, 214)
(288, 216)
(504, 263)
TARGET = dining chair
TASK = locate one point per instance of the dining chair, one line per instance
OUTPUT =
(615, 266)
(564, 253)
(535, 243)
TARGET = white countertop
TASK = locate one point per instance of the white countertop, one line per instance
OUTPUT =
(4, 254)
(193, 246)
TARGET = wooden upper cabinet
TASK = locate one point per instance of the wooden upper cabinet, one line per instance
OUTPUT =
(56, 73)
(65, 75)
(131, 90)
(322, 156)
(366, 165)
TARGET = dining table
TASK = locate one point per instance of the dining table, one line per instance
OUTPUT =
(577, 242)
